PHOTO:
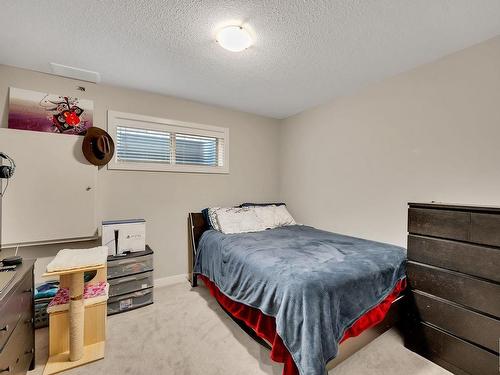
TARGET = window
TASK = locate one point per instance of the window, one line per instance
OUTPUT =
(136, 145)
(156, 144)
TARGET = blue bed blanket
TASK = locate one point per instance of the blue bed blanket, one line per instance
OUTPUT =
(315, 283)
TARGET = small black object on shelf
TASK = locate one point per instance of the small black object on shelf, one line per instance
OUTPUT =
(12, 261)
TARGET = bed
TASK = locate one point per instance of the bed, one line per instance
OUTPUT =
(300, 291)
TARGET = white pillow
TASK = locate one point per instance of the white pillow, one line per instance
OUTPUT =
(282, 217)
(239, 220)
(267, 215)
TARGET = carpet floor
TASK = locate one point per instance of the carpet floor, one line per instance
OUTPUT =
(185, 332)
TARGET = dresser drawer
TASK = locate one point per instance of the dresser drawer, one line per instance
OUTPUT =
(471, 259)
(459, 321)
(130, 266)
(19, 303)
(485, 229)
(131, 283)
(449, 224)
(17, 353)
(466, 356)
(456, 287)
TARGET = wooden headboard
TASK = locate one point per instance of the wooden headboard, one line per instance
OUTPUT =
(196, 226)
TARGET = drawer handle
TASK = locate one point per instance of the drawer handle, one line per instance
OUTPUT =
(127, 279)
(29, 290)
(5, 328)
(5, 370)
(30, 351)
(29, 321)
(126, 261)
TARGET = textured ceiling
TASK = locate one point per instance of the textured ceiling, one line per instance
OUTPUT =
(305, 52)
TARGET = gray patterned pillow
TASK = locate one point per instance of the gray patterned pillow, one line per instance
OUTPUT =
(239, 220)
(212, 217)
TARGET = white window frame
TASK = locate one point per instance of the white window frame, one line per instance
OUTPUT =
(132, 120)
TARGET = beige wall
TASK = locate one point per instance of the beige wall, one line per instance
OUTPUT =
(429, 134)
(349, 166)
(165, 198)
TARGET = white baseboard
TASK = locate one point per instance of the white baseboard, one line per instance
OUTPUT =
(170, 280)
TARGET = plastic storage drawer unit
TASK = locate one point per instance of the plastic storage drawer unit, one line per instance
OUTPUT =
(130, 301)
(129, 266)
(130, 284)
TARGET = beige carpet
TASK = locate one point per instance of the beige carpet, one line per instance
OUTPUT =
(185, 332)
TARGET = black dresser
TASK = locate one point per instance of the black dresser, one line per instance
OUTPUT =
(454, 276)
(17, 332)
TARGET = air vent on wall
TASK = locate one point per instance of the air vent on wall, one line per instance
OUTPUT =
(76, 73)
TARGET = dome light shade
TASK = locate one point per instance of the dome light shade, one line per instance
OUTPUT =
(234, 38)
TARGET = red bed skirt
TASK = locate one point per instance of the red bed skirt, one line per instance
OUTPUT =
(265, 325)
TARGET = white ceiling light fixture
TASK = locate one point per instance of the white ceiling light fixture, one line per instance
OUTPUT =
(234, 38)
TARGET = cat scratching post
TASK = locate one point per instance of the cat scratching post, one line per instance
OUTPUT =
(77, 314)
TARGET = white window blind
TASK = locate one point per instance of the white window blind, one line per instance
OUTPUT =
(148, 143)
(142, 145)
(196, 150)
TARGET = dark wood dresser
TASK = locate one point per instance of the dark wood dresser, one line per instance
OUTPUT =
(17, 332)
(454, 277)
